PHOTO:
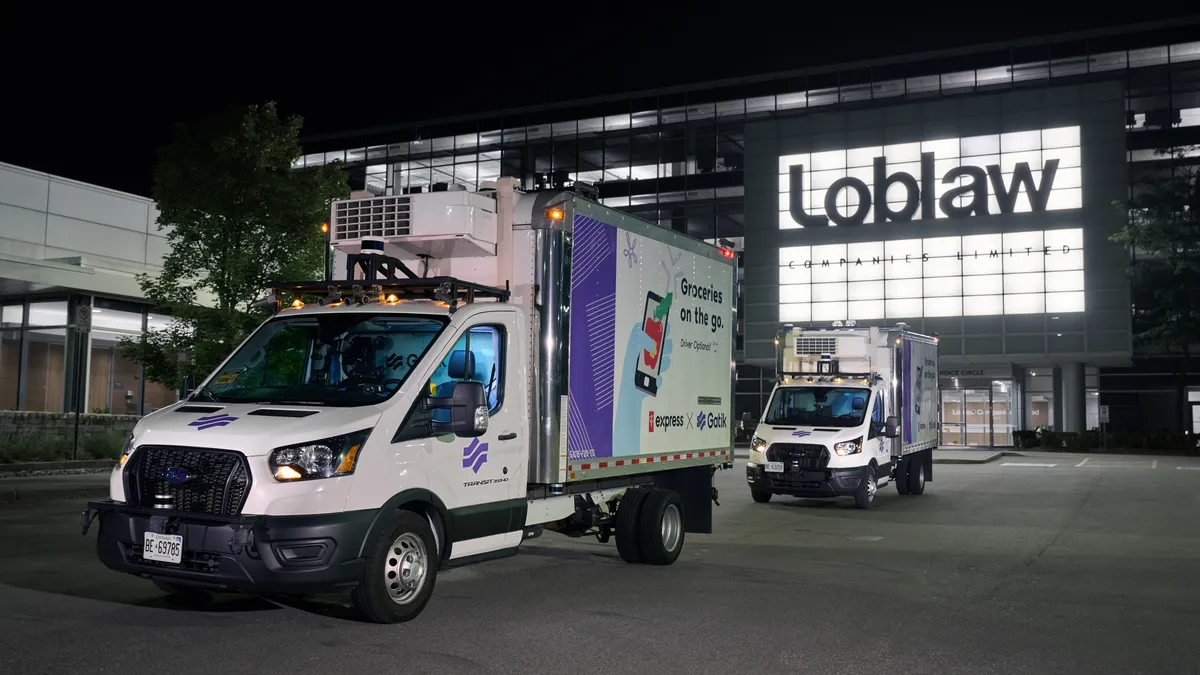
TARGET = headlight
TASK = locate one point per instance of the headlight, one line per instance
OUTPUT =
(848, 447)
(126, 451)
(758, 445)
(326, 458)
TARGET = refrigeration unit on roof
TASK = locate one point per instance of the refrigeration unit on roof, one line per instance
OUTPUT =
(445, 224)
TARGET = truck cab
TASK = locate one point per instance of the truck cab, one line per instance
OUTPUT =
(836, 420)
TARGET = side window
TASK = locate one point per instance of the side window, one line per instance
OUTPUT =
(478, 356)
(876, 417)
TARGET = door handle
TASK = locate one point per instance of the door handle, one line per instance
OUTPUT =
(507, 437)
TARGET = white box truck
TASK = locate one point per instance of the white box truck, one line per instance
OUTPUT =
(554, 364)
(853, 409)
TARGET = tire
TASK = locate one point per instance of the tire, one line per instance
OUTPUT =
(902, 469)
(916, 474)
(661, 527)
(760, 496)
(626, 523)
(868, 489)
(403, 547)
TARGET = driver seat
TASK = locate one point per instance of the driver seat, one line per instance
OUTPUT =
(461, 367)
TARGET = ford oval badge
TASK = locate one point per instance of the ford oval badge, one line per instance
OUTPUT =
(177, 475)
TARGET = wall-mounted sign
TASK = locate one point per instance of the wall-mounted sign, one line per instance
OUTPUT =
(975, 372)
(974, 275)
(1016, 172)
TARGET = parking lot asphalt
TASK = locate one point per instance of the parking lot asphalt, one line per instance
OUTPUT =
(1037, 564)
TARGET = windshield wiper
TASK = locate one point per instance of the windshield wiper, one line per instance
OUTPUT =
(204, 394)
(287, 402)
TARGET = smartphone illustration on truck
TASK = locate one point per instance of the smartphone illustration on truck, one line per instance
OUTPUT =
(654, 322)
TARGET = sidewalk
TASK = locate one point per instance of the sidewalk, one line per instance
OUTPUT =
(80, 486)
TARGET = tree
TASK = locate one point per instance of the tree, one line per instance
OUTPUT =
(237, 215)
(1163, 231)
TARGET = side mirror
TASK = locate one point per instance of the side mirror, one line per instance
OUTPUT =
(891, 427)
(468, 411)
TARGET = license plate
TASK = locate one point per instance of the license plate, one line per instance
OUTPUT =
(166, 548)
(774, 467)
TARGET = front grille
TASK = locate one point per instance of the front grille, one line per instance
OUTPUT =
(219, 485)
(799, 456)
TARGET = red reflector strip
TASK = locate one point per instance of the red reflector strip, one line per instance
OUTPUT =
(647, 460)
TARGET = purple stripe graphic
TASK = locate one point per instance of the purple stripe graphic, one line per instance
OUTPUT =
(908, 392)
(592, 338)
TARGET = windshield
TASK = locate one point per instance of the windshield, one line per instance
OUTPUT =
(818, 406)
(332, 359)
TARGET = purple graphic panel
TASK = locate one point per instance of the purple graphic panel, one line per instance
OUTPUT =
(907, 391)
(593, 339)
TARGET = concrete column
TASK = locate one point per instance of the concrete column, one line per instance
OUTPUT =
(1020, 412)
(1073, 393)
(1057, 404)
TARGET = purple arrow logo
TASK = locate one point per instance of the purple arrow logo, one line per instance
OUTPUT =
(801, 433)
(211, 421)
(475, 455)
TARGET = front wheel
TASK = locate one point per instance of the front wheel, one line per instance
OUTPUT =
(760, 496)
(865, 497)
(400, 570)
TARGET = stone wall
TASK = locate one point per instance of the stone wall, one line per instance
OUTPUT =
(61, 426)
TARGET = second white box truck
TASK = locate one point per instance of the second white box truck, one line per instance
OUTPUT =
(854, 408)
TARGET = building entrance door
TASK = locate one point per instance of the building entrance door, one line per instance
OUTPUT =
(978, 417)
(978, 403)
(953, 417)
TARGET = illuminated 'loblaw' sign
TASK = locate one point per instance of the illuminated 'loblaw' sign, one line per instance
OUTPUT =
(1016, 172)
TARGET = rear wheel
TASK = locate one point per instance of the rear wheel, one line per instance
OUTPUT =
(865, 497)
(400, 571)
(760, 496)
(626, 522)
(916, 473)
(660, 527)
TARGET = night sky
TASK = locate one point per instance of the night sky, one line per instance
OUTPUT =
(98, 93)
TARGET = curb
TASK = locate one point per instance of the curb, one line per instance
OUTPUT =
(62, 465)
(11, 496)
(984, 459)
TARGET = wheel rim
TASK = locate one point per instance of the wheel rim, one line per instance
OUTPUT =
(871, 488)
(672, 527)
(920, 477)
(405, 567)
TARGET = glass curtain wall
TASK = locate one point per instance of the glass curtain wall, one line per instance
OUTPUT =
(34, 370)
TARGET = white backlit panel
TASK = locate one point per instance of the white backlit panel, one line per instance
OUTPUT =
(1003, 158)
(976, 275)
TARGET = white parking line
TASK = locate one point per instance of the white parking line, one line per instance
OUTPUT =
(1048, 466)
(1085, 461)
(1188, 468)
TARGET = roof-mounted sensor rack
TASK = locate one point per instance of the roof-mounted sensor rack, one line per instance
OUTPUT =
(450, 290)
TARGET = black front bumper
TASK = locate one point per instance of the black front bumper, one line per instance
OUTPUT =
(813, 483)
(292, 555)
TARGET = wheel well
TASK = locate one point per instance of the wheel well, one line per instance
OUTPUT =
(422, 502)
(436, 523)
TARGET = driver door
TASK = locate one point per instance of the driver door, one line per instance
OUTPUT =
(877, 443)
(482, 481)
